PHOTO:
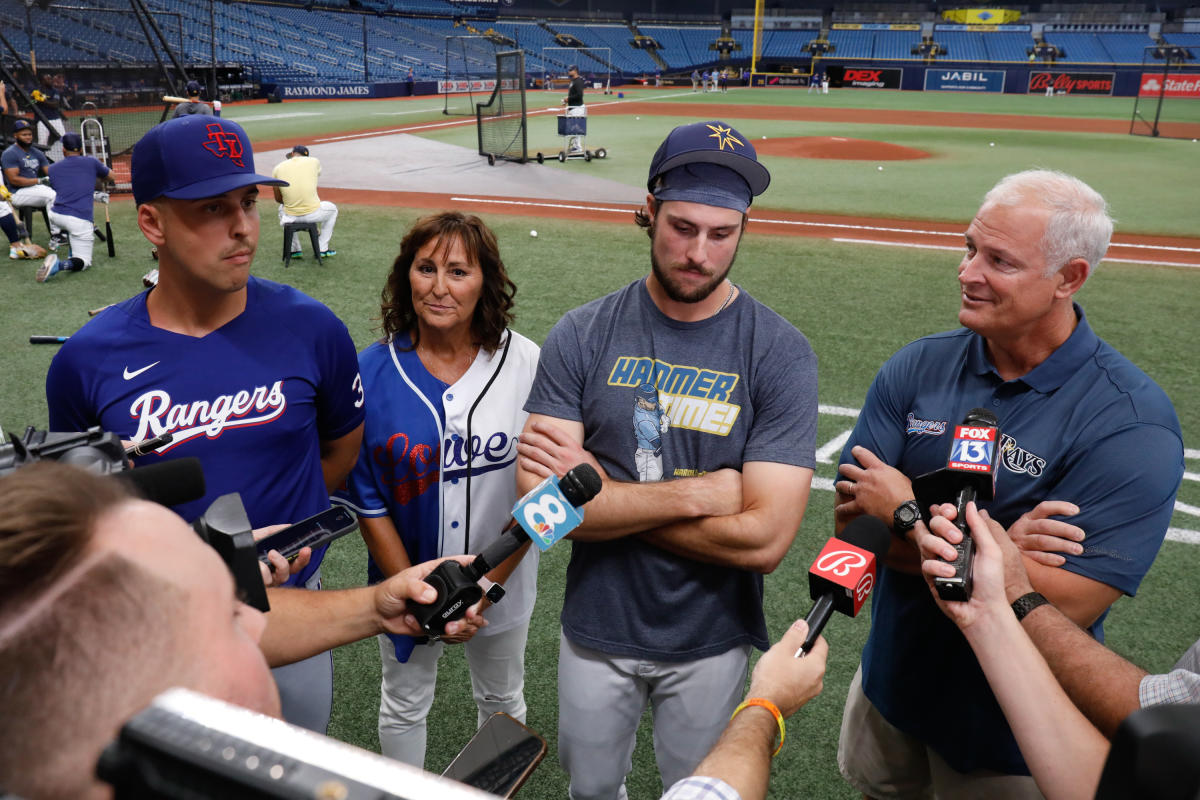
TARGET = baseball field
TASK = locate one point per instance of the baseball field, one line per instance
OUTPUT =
(855, 242)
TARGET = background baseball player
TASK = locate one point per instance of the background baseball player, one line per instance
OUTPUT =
(193, 105)
(298, 200)
(78, 181)
(26, 171)
(575, 107)
(49, 99)
(19, 245)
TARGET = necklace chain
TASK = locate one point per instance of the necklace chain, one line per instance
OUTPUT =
(728, 297)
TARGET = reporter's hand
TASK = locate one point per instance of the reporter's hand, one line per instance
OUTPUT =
(278, 570)
(392, 598)
(469, 625)
(988, 595)
(785, 680)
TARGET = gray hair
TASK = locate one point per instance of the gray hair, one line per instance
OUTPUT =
(1078, 226)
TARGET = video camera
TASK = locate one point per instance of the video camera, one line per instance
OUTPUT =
(224, 526)
(93, 450)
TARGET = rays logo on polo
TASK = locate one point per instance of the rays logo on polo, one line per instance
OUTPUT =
(724, 136)
(157, 414)
(224, 144)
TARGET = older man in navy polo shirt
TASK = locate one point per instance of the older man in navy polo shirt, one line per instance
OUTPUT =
(1086, 436)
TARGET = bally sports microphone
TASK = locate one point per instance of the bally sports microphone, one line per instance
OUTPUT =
(969, 475)
(547, 513)
(844, 574)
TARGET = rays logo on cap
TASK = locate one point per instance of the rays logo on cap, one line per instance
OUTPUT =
(724, 136)
(224, 144)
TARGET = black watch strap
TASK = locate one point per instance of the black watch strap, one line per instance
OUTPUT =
(1026, 603)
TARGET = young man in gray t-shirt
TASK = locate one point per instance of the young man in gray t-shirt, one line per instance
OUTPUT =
(698, 404)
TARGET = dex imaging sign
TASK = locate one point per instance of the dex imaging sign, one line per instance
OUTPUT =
(964, 80)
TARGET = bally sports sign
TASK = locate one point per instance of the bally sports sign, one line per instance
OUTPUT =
(1072, 82)
(1171, 86)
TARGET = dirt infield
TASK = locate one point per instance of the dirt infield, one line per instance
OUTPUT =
(867, 116)
(1176, 251)
(837, 147)
(567, 204)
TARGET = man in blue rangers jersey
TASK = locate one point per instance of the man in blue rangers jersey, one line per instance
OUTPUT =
(1085, 436)
(257, 380)
(724, 497)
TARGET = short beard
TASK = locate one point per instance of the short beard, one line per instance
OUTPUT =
(675, 292)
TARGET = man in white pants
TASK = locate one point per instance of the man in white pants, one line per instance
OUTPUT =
(575, 106)
(25, 171)
(298, 201)
(75, 180)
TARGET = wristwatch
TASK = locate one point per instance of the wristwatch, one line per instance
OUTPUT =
(905, 517)
(1026, 603)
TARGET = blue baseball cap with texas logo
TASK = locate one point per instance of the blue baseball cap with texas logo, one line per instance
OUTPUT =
(192, 157)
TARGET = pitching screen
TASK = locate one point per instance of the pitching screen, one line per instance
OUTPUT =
(501, 121)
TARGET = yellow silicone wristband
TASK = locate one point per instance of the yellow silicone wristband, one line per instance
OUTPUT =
(769, 706)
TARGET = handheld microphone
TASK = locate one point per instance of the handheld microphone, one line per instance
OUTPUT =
(844, 573)
(547, 513)
(969, 475)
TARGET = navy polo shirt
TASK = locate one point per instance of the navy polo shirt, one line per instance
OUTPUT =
(1087, 426)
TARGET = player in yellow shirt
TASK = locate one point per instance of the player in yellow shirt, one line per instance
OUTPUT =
(298, 201)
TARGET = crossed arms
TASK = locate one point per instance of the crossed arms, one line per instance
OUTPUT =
(744, 519)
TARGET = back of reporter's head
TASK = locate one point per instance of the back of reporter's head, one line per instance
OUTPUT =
(85, 634)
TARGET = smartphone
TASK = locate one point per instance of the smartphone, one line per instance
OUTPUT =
(315, 531)
(499, 758)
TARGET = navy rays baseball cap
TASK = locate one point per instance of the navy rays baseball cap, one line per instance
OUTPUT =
(72, 142)
(709, 163)
(300, 150)
(20, 125)
(193, 88)
(192, 157)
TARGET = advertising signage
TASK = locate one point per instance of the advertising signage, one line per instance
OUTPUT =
(1171, 86)
(867, 77)
(1072, 82)
(964, 80)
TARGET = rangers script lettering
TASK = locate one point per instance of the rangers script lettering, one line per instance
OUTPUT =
(156, 415)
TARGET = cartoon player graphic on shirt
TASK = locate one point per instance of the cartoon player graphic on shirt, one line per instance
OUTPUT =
(650, 422)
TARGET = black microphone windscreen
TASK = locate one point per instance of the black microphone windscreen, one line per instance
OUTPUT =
(981, 416)
(168, 483)
(580, 484)
(868, 533)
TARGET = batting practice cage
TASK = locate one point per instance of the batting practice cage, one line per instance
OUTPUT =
(1168, 97)
(136, 63)
(595, 65)
(470, 69)
(501, 122)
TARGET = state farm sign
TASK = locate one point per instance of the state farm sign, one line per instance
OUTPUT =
(1072, 82)
(1173, 86)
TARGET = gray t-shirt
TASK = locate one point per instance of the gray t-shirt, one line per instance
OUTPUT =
(740, 386)
(185, 109)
